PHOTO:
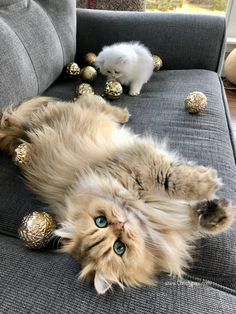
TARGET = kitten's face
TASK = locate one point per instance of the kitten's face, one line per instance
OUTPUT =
(109, 242)
(114, 65)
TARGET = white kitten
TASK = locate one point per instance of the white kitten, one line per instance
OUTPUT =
(129, 63)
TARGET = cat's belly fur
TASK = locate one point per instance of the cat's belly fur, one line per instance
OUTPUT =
(61, 151)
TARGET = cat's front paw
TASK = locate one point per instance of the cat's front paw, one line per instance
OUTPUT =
(134, 92)
(215, 216)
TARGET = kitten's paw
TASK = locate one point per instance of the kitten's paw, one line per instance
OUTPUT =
(134, 92)
(215, 216)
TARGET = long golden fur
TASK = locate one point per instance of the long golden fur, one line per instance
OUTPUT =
(88, 167)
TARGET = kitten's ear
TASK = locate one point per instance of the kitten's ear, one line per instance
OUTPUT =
(101, 284)
(122, 60)
(66, 230)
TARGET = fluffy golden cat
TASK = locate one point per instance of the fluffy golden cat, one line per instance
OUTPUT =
(127, 208)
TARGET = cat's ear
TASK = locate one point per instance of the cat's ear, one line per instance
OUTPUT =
(122, 60)
(66, 230)
(101, 283)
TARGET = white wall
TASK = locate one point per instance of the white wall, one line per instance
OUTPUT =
(231, 19)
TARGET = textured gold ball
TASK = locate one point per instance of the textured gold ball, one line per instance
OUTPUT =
(113, 90)
(73, 70)
(90, 58)
(83, 88)
(36, 230)
(88, 74)
(21, 154)
(157, 62)
(195, 102)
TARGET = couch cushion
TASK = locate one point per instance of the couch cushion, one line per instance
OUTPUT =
(159, 110)
(32, 57)
(45, 283)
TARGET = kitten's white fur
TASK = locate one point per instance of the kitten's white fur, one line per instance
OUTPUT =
(129, 63)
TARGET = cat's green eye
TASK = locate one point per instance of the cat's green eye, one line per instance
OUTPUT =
(108, 71)
(119, 247)
(117, 72)
(101, 222)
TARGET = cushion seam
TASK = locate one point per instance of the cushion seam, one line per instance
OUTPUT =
(211, 284)
(17, 35)
(49, 17)
(226, 109)
(221, 51)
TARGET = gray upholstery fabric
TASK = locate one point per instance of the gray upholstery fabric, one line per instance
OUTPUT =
(159, 110)
(38, 283)
(37, 40)
(182, 41)
(45, 282)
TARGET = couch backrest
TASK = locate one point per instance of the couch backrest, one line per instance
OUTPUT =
(183, 41)
(37, 39)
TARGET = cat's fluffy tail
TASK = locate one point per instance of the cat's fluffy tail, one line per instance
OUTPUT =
(13, 122)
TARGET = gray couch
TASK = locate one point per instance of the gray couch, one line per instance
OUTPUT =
(37, 39)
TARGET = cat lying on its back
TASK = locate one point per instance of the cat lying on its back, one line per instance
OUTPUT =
(128, 208)
(129, 63)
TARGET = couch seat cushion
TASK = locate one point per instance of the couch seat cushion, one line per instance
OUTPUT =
(159, 110)
(45, 283)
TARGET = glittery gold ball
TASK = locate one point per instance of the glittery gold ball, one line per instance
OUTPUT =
(157, 62)
(195, 102)
(72, 70)
(88, 74)
(83, 88)
(90, 58)
(113, 89)
(36, 229)
(21, 154)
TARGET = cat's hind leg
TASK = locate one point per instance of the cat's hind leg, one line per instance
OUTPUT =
(99, 104)
(14, 122)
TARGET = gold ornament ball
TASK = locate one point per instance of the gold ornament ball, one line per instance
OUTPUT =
(113, 90)
(195, 102)
(90, 58)
(83, 88)
(157, 62)
(36, 230)
(88, 74)
(73, 70)
(21, 154)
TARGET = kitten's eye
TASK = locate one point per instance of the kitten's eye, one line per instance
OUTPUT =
(117, 72)
(119, 247)
(108, 71)
(101, 222)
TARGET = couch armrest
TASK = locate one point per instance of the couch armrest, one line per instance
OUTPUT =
(182, 41)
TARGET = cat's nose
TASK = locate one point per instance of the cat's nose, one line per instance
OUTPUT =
(120, 225)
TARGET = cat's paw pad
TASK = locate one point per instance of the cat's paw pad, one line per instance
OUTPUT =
(134, 92)
(215, 215)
